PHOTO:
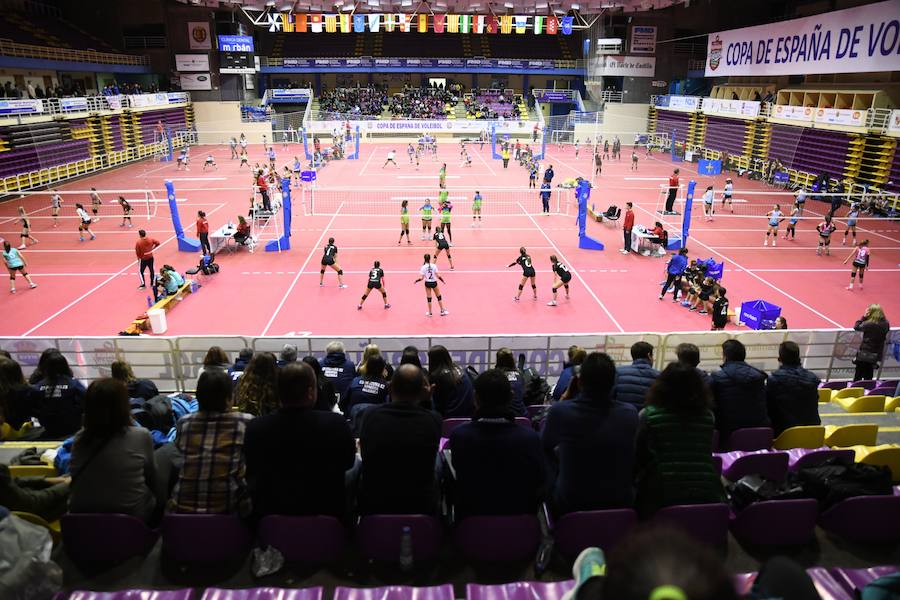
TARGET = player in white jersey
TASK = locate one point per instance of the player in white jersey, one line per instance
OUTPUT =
(429, 274)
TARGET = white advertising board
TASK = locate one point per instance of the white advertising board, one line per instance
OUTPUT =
(612, 65)
(192, 62)
(195, 81)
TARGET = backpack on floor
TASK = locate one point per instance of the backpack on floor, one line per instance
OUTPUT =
(155, 414)
(840, 478)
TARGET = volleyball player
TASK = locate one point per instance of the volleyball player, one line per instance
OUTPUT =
(15, 263)
(442, 176)
(634, 160)
(792, 224)
(800, 200)
(720, 310)
(95, 203)
(391, 155)
(466, 159)
(577, 147)
(532, 174)
(25, 235)
(860, 256)
(775, 217)
(232, 143)
(126, 211)
(376, 282)
(708, 203)
(329, 259)
(404, 221)
(184, 158)
(245, 160)
(598, 164)
(270, 154)
(606, 149)
(445, 208)
(727, 192)
(441, 244)
(429, 273)
(410, 152)
(825, 229)
(476, 208)
(852, 217)
(210, 162)
(243, 142)
(56, 202)
(295, 171)
(85, 222)
(524, 261)
(562, 278)
(427, 211)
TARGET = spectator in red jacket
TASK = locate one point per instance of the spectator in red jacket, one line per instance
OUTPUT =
(627, 226)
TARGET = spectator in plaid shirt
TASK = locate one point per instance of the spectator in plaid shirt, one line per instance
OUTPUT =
(212, 444)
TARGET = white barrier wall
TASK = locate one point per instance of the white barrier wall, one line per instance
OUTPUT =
(218, 121)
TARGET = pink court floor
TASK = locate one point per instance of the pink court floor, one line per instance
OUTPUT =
(89, 288)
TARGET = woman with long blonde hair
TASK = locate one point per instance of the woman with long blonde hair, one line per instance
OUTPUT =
(874, 327)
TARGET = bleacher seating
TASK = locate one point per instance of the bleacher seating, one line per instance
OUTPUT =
(893, 179)
(37, 157)
(668, 121)
(810, 150)
(55, 32)
(726, 134)
(438, 46)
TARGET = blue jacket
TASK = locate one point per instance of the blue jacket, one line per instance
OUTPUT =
(792, 398)
(563, 382)
(739, 392)
(453, 394)
(60, 407)
(633, 381)
(364, 391)
(339, 370)
(677, 264)
(517, 383)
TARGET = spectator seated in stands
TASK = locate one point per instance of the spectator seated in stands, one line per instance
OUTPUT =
(633, 381)
(287, 355)
(338, 369)
(59, 406)
(499, 465)
(240, 363)
(506, 364)
(17, 398)
(365, 391)
(589, 442)
(211, 442)
(256, 392)
(739, 392)
(451, 387)
(576, 356)
(137, 388)
(421, 103)
(792, 392)
(112, 466)
(673, 462)
(46, 497)
(353, 102)
(398, 444)
(368, 352)
(297, 456)
(326, 397)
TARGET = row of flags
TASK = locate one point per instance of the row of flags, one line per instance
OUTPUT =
(317, 23)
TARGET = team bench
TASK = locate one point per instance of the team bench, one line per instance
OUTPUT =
(167, 303)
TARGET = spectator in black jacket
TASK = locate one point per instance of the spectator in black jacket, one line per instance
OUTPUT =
(506, 363)
(366, 390)
(576, 356)
(689, 355)
(633, 381)
(874, 327)
(739, 392)
(297, 456)
(451, 388)
(337, 368)
(410, 356)
(398, 443)
(326, 398)
(61, 400)
(17, 398)
(137, 388)
(792, 392)
(499, 465)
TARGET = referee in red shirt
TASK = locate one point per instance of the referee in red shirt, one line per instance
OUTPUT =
(673, 189)
(203, 232)
(144, 250)
(627, 226)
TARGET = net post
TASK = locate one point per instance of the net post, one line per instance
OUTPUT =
(494, 154)
(284, 242)
(585, 242)
(676, 243)
(185, 244)
(306, 145)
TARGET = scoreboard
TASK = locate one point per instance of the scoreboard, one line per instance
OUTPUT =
(236, 63)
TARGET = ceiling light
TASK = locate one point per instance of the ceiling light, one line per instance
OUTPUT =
(270, 3)
(405, 2)
(373, 3)
(508, 5)
(576, 6)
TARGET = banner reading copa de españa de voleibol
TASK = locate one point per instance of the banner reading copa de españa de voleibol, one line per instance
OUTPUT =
(861, 39)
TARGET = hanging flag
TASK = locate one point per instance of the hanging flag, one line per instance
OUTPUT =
(538, 25)
(521, 24)
(566, 26)
(389, 22)
(315, 22)
(552, 25)
(331, 23)
(423, 23)
(492, 24)
(359, 23)
(438, 21)
(465, 24)
(403, 22)
(287, 23)
(374, 23)
(478, 24)
(300, 23)
(452, 23)
(345, 23)
(506, 24)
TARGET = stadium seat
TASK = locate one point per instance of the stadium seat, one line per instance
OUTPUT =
(601, 528)
(185, 594)
(99, 538)
(32, 471)
(771, 465)
(800, 458)
(749, 439)
(451, 424)
(776, 522)
(835, 385)
(706, 522)
(498, 538)
(824, 395)
(857, 579)
(864, 519)
(883, 390)
(804, 436)
(866, 384)
(862, 404)
(204, 538)
(263, 593)
(851, 435)
(317, 540)
(887, 455)
(379, 536)
(827, 585)
(847, 393)
(519, 590)
(892, 404)
(395, 592)
(51, 526)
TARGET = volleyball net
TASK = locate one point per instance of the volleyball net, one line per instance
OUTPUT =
(38, 205)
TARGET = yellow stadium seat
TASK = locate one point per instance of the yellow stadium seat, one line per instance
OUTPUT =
(54, 527)
(852, 392)
(887, 455)
(32, 471)
(851, 435)
(862, 404)
(825, 394)
(892, 404)
(806, 436)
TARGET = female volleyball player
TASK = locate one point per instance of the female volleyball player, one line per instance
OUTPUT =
(445, 208)
(562, 278)
(15, 263)
(708, 203)
(427, 210)
(792, 224)
(860, 256)
(825, 229)
(245, 160)
(775, 217)
(295, 171)
(183, 159)
(26, 229)
(442, 176)
(95, 203)
(801, 199)
(429, 273)
(85, 222)
(56, 202)
(329, 259)
(441, 244)
(410, 152)
(727, 192)
(404, 221)
(476, 208)
(376, 282)
(852, 217)
(126, 211)
(524, 261)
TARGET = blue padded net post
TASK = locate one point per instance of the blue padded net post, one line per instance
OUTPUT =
(585, 242)
(185, 244)
(284, 242)
(306, 145)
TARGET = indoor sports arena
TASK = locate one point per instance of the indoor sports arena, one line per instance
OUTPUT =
(448, 299)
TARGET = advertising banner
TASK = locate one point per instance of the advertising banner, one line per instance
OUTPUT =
(474, 127)
(145, 100)
(682, 103)
(424, 63)
(21, 107)
(856, 40)
(842, 116)
(643, 39)
(624, 66)
(198, 35)
(555, 96)
(793, 113)
(289, 95)
(731, 108)
(73, 104)
(191, 62)
(236, 43)
(894, 123)
(195, 81)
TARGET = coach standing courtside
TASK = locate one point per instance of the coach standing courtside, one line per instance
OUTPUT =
(144, 250)
(673, 190)
(627, 226)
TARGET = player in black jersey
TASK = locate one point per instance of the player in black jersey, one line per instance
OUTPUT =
(562, 278)
(376, 282)
(441, 244)
(527, 272)
(720, 310)
(329, 259)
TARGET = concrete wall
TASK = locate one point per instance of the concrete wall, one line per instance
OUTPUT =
(219, 121)
(622, 120)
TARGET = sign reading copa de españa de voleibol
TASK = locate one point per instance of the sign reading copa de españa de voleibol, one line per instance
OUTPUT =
(235, 43)
(861, 39)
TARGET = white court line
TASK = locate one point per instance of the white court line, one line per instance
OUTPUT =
(844, 270)
(427, 177)
(290, 289)
(425, 197)
(646, 178)
(102, 283)
(807, 248)
(452, 247)
(395, 229)
(457, 272)
(575, 271)
(198, 178)
(30, 251)
(478, 154)
(368, 160)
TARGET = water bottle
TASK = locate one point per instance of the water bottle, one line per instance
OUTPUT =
(406, 550)
(149, 302)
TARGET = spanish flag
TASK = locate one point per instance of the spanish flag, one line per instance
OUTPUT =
(315, 23)
(423, 23)
(345, 24)
(452, 23)
(438, 21)
(300, 23)
(521, 24)
(331, 23)
(287, 23)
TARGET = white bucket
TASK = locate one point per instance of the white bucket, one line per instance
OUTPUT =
(157, 318)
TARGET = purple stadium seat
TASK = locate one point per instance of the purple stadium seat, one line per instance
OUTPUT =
(776, 522)
(314, 539)
(520, 590)
(186, 594)
(263, 593)
(889, 383)
(743, 582)
(810, 457)
(828, 587)
(706, 522)
(524, 422)
(204, 538)
(857, 579)
(866, 384)
(451, 424)
(396, 592)
(105, 537)
(380, 535)
(749, 439)
(536, 409)
(883, 390)
(601, 528)
(834, 385)
(498, 538)
(864, 519)
(771, 465)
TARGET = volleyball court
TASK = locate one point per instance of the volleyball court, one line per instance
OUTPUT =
(89, 288)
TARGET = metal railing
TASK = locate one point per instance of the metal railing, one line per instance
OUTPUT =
(11, 48)
(94, 104)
